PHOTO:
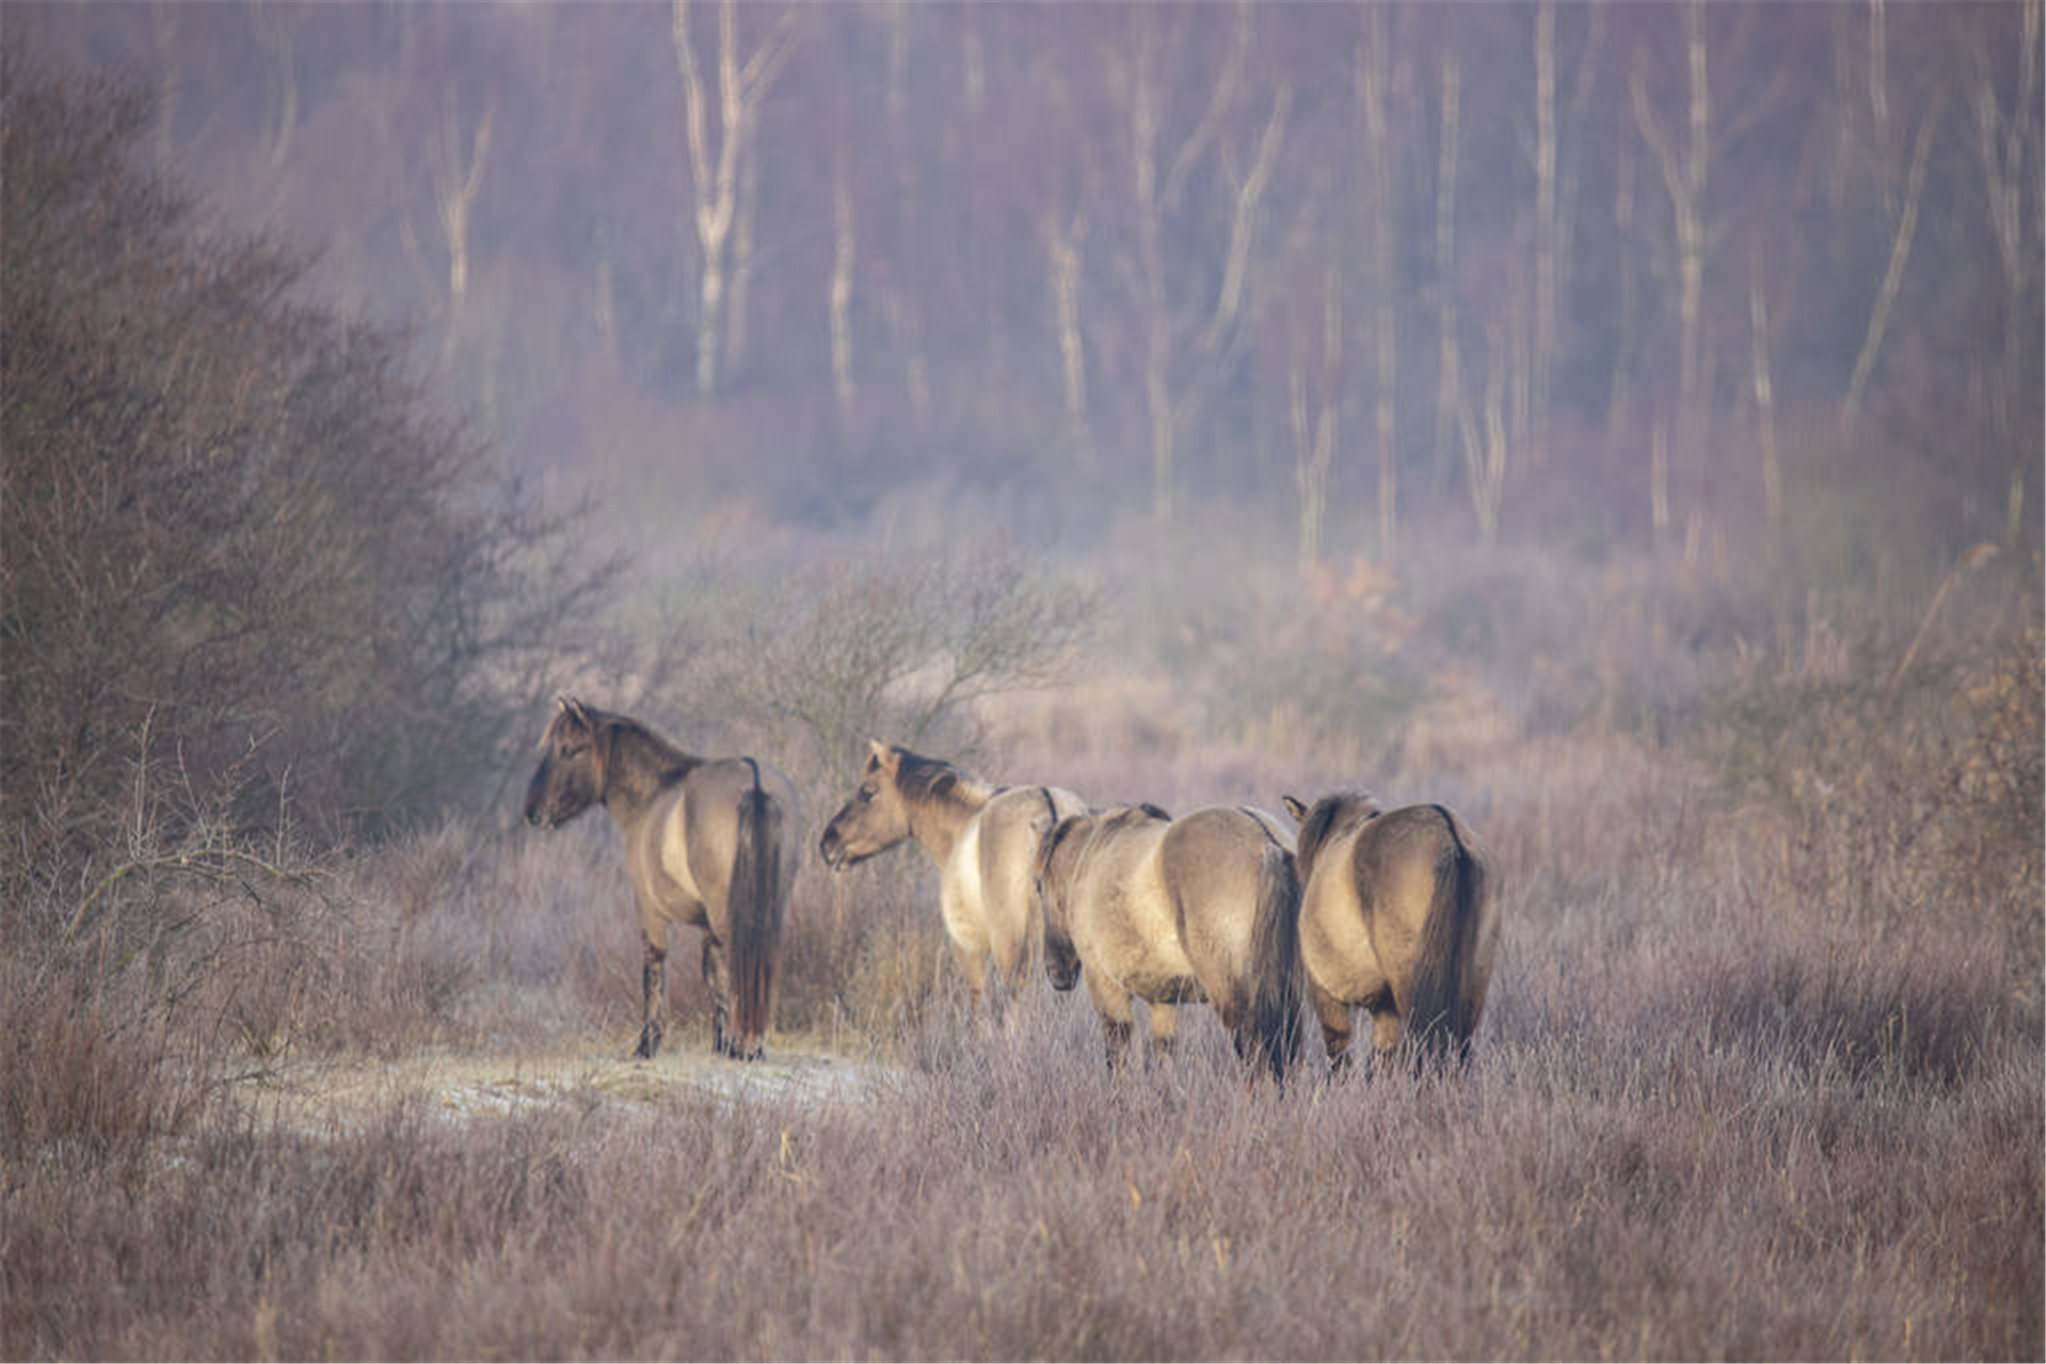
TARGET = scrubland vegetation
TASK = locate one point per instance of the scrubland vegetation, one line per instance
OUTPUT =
(1759, 1075)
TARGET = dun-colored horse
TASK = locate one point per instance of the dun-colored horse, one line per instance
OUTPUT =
(703, 845)
(1399, 916)
(1176, 911)
(984, 841)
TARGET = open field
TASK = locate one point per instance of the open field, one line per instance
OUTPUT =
(1619, 423)
(1759, 1078)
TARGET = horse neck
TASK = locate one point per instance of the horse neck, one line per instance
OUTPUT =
(937, 821)
(640, 764)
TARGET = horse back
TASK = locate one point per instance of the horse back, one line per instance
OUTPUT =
(995, 867)
(1211, 861)
(1124, 923)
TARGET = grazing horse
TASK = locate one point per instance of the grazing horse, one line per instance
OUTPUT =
(703, 845)
(1398, 916)
(1176, 911)
(983, 839)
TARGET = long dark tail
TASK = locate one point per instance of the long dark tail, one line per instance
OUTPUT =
(756, 912)
(1272, 1020)
(1441, 1009)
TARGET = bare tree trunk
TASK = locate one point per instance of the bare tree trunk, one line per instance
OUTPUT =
(2005, 144)
(1062, 242)
(1765, 395)
(1658, 481)
(1893, 275)
(1372, 80)
(1175, 384)
(843, 255)
(1448, 380)
(905, 307)
(164, 26)
(275, 27)
(1621, 397)
(1684, 177)
(1314, 421)
(1546, 230)
(1485, 455)
(605, 304)
(737, 307)
(457, 179)
(714, 173)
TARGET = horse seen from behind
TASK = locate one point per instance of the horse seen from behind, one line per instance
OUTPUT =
(984, 840)
(703, 846)
(1173, 911)
(1399, 915)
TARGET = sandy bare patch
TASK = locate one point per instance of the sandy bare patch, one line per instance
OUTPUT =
(463, 1086)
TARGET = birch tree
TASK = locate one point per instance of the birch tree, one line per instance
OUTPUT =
(717, 153)
(2007, 152)
(1190, 321)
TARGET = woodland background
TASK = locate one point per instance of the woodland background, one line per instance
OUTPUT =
(1621, 422)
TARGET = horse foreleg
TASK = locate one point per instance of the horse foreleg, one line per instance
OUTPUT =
(972, 965)
(1385, 1030)
(653, 997)
(1164, 1030)
(717, 976)
(1113, 1004)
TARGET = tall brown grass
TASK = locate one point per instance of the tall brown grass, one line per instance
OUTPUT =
(1759, 1077)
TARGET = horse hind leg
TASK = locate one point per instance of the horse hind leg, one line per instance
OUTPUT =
(717, 976)
(1116, 1019)
(972, 960)
(653, 998)
(1386, 1030)
(1337, 1026)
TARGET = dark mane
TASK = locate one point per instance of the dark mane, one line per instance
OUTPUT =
(647, 752)
(1131, 815)
(1320, 823)
(920, 778)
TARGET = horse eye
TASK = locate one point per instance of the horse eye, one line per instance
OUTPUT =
(866, 795)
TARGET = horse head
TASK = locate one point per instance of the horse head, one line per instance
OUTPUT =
(570, 777)
(876, 816)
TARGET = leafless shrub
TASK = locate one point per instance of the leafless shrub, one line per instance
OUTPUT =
(809, 666)
(240, 543)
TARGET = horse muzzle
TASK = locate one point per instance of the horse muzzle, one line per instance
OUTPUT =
(834, 852)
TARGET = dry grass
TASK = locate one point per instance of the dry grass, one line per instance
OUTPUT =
(1760, 1078)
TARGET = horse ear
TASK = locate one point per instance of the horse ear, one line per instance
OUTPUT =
(574, 709)
(883, 756)
(1295, 809)
(945, 782)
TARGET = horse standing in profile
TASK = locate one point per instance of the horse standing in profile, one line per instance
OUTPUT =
(1399, 916)
(703, 846)
(1176, 911)
(984, 840)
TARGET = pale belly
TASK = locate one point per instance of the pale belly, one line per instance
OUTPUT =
(1142, 953)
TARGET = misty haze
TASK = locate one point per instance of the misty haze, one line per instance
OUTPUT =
(1613, 431)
